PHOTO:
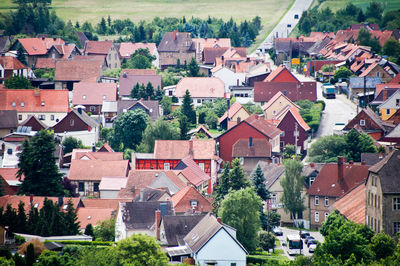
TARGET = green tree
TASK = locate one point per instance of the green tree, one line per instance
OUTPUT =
(52, 258)
(71, 143)
(140, 250)
(105, 231)
(17, 82)
(102, 27)
(266, 240)
(343, 73)
(140, 59)
(89, 230)
(240, 209)
(374, 10)
(38, 164)
(150, 90)
(382, 245)
(21, 55)
(289, 152)
(334, 220)
(30, 255)
(166, 105)
(211, 119)
(292, 185)
(270, 220)
(183, 127)
(129, 127)
(187, 108)
(159, 130)
(392, 49)
(327, 149)
(328, 68)
(259, 184)
(237, 178)
(223, 184)
(357, 143)
(71, 220)
(21, 219)
(193, 68)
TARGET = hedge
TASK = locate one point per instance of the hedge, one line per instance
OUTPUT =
(83, 243)
(264, 260)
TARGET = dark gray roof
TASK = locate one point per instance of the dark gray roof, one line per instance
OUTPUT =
(150, 107)
(312, 168)
(141, 214)
(388, 171)
(8, 119)
(150, 194)
(82, 38)
(318, 46)
(5, 42)
(371, 158)
(86, 118)
(271, 172)
(177, 227)
(204, 231)
(370, 82)
(168, 44)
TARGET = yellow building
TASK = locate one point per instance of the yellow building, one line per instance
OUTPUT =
(390, 106)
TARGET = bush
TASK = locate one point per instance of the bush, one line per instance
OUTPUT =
(83, 243)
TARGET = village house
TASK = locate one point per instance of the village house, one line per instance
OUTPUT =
(382, 93)
(189, 200)
(192, 174)
(352, 204)
(150, 107)
(130, 77)
(106, 49)
(11, 66)
(92, 94)
(176, 48)
(8, 122)
(333, 181)
(276, 104)
(251, 151)
(281, 79)
(126, 49)
(382, 194)
(9, 180)
(201, 89)
(49, 106)
(203, 43)
(357, 86)
(233, 116)
(228, 76)
(253, 127)
(390, 106)
(375, 70)
(141, 217)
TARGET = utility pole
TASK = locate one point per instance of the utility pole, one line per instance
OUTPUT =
(290, 55)
(296, 135)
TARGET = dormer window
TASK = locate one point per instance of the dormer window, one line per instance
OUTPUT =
(22, 104)
(42, 103)
(83, 97)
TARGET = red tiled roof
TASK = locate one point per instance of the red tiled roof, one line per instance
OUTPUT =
(212, 42)
(261, 148)
(39, 46)
(77, 70)
(105, 148)
(86, 93)
(98, 47)
(128, 48)
(277, 72)
(193, 172)
(130, 77)
(383, 36)
(102, 156)
(263, 126)
(210, 54)
(15, 200)
(141, 72)
(10, 62)
(235, 107)
(102, 203)
(352, 204)
(295, 113)
(182, 200)
(93, 216)
(327, 182)
(54, 100)
(179, 149)
(95, 169)
(42, 62)
(10, 174)
(396, 79)
(201, 87)
(369, 69)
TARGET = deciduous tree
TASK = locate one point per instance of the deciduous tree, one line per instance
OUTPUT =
(159, 130)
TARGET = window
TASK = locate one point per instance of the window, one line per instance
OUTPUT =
(42, 117)
(396, 203)
(283, 134)
(312, 179)
(19, 117)
(166, 166)
(71, 122)
(42, 103)
(233, 263)
(316, 200)
(22, 104)
(201, 166)
(379, 226)
(81, 187)
(396, 227)
(316, 217)
(198, 100)
(375, 204)
(52, 117)
(274, 112)
(193, 203)
(13, 104)
(379, 202)
(273, 198)
(284, 92)
(326, 201)
(92, 108)
(170, 93)
(104, 97)
(326, 215)
(84, 97)
(378, 74)
(282, 144)
(387, 111)
(369, 198)
(96, 187)
(362, 122)
(397, 102)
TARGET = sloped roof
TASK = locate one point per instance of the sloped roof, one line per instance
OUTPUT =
(177, 227)
(130, 77)
(37, 201)
(296, 115)
(277, 72)
(327, 182)
(182, 199)
(42, 62)
(102, 203)
(212, 42)
(103, 156)
(192, 171)
(201, 87)
(128, 48)
(33, 122)
(8, 119)
(98, 47)
(271, 172)
(263, 126)
(11, 63)
(275, 98)
(95, 169)
(39, 46)
(352, 204)
(78, 69)
(210, 54)
(371, 114)
(396, 79)
(368, 70)
(261, 148)
(150, 105)
(235, 107)
(370, 82)
(10, 176)
(113, 183)
(179, 149)
(151, 194)
(388, 170)
(54, 100)
(88, 93)
(201, 128)
(169, 44)
(93, 216)
(83, 116)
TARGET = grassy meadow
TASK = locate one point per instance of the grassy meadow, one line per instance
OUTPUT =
(338, 4)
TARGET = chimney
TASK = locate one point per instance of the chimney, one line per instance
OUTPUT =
(157, 223)
(340, 167)
(384, 96)
(312, 165)
(191, 147)
(219, 220)
(43, 38)
(250, 142)
(174, 35)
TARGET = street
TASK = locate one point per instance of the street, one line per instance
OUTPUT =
(287, 231)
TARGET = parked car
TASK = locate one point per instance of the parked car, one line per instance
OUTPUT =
(296, 16)
(312, 248)
(289, 25)
(308, 238)
(277, 231)
(304, 234)
(311, 241)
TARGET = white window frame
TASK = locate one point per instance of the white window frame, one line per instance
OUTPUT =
(194, 203)
(396, 204)
(326, 201)
(326, 215)
(202, 166)
(167, 166)
(362, 122)
(316, 200)
(316, 217)
(387, 111)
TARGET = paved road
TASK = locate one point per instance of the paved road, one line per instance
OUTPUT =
(287, 231)
(281, 29)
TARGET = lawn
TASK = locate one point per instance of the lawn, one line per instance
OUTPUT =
(338, 4)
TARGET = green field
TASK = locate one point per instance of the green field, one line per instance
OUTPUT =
(338, 4)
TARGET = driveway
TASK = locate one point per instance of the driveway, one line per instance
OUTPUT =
(287, 231)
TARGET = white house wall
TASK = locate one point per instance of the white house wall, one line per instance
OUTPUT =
(230, 78)
(88, 138)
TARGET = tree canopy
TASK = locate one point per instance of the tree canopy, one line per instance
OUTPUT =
(259, 184)
(187, 108)
(17, 82)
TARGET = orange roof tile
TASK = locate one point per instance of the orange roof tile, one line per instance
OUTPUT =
(192, 172)
(77, 70)
(262, 125)
(275, 98)
(14, 200)
(102, 203)
(93, 216)
(212, 42)
(261, 148)
(235, 107)
(88, 93)
(10, 62)
(182, 200)
(42, 62)
(98, 47)
(128, 48)
(179, 149)
(201, 87)
(296, 114)
(352, 204)
(31, 100)
(103, 156)
(276, 73)
(96, 169)
(369, 69)
(39, 46)
(140, 72)
(10, 174)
